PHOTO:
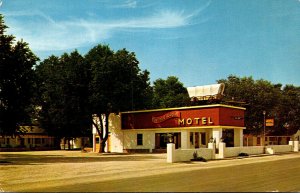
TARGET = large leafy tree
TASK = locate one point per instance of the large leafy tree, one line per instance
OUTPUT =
(169, 93)
(63, 93)
(16, 82)
(261, 95)
(289, 109)
(117, 84)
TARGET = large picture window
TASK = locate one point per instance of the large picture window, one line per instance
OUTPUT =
(139, 139)
(162, 139)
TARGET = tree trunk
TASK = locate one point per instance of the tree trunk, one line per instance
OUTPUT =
(100, 130)
(104, 136)
(69, 144)
(102, 147)
(82, 143)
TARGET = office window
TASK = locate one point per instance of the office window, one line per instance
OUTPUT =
(139, 139)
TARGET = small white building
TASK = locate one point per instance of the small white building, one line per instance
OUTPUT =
(187, 127)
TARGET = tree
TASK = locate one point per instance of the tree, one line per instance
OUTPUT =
(117, 84)
(289, 110)
(63, 93)
(169, 93)
(16, 82)
(259, 95)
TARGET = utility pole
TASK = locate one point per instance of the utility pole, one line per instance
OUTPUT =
(264, 113)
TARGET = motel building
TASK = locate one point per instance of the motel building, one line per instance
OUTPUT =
(187, 127)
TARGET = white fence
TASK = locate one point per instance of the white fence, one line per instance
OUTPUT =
(281, 148)
(250, 150)
(256, 150)
(180, 155)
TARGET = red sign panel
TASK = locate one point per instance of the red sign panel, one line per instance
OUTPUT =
(211, 116)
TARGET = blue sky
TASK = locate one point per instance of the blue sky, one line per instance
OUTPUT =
(199, 41)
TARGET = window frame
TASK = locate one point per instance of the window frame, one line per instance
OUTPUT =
(139, 139)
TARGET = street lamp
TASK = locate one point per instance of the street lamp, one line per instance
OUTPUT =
(264, 113)
(286, 126)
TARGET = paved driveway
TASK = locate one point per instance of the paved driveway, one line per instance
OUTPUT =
(76, 171)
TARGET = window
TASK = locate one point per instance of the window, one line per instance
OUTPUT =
(22, 141)
(37, 141)
(203, 138)
(139, 139)
(2, 141)
(258, 140)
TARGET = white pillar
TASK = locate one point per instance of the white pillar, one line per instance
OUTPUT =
(170, 153)
(238, 137)
(185, 139)
(213, 147)
(222, 147)
(296, 146)
(217, 135)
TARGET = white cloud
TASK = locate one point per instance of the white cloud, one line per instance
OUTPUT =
(126, 4)
(43, 33)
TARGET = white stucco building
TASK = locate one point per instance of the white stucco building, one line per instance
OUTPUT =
(187, 127)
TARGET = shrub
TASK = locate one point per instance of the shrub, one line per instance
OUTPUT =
(243, 154)
(201, 159)
(195, 155)
(8, 146)
(196, 158)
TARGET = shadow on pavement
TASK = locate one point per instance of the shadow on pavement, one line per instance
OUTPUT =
(27, 159)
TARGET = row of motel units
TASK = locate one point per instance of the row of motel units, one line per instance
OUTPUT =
(187, 127)
(33, 137)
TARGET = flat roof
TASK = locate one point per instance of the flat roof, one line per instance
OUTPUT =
(183, 108)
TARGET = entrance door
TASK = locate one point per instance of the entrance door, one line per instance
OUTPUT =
(97, 143)
(108, 144)
(197, 140)
(228, 135)
(203, 139)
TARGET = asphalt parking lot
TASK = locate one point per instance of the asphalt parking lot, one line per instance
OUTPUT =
(76, 171)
